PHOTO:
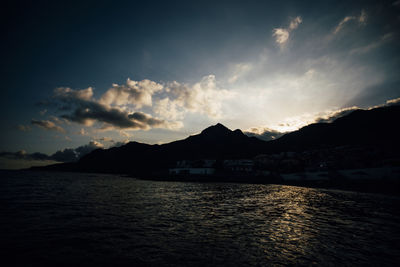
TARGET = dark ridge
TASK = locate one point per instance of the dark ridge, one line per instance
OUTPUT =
(361, 127)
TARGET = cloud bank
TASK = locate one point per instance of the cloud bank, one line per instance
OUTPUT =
(86, 110)
(64, 155)
(122, 106)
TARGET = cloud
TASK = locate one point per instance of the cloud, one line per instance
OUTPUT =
(22, 154)
(74, 154)
(132, 105)
(47, 125)
(295, 23)
(120, 143)
(239, 70)
(86, 110)
(342, 22)
(264, 133)
(167, 108)
(332, 115)
(24, 128)
(393, 102)
(204, 97)
(106, 139)
(82, 132)
(64, 155)
(137, 93)
(365, 49)
(282, 34)
(362, 19)
(68, 93)
(125, 134)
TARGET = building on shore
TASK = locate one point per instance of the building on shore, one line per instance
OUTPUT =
(194, 167)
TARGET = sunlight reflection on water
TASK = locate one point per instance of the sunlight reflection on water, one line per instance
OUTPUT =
(71, 219)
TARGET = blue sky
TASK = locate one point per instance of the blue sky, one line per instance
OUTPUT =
(104, 72)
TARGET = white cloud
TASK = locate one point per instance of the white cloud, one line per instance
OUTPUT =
(204, 97)
(392, 102)
(137, 93)
(169, 109)
(66, 92)
(282, 34)
(295, 23)
(362, 19)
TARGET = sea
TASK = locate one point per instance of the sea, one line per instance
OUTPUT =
(75, 219)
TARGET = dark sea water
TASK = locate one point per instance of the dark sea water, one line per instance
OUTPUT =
(70, 219)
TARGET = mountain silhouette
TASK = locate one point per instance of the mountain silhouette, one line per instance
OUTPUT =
(376, 127)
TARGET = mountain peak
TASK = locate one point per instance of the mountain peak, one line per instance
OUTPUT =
(216, 129)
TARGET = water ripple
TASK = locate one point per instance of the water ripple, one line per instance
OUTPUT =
(79, 219)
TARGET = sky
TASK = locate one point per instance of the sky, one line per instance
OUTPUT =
(88, 74)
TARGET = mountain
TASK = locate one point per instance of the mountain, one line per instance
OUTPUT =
(376, 127)
(215, 142)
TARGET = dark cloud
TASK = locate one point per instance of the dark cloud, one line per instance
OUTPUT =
(146, 119)
(64, 155)
(86, 110)
(74, 154)
(23, 155)
(48, 125)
